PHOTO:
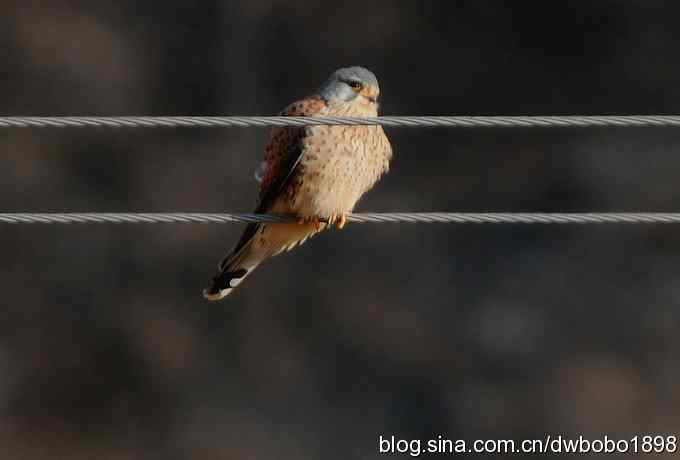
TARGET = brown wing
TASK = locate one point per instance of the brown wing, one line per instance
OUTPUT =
(284, 150)
(282, 155)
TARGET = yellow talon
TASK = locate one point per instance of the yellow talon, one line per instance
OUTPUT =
(339, 220)
(342, 220)
(310, 220)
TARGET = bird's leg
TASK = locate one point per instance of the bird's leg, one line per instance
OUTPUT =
(332, 219)
(316, 220)
(342, 220)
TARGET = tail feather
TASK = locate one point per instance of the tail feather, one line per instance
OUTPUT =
(258, 242)
(224, 283)
(227, 279)
(234, 268)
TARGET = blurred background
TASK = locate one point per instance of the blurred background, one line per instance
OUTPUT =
(107, 349)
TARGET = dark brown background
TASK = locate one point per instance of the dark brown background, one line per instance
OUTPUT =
(107, 349)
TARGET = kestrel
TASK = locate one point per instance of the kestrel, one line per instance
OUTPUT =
(317, 173)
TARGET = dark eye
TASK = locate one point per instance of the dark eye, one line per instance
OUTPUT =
(355, 85)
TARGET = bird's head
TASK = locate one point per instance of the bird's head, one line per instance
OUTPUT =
(351, 84)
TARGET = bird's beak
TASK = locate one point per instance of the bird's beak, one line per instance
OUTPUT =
(371, 94)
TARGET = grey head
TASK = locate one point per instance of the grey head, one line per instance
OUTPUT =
(347, 83)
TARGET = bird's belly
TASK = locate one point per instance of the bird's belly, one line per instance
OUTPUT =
(338, 200)
(333, 188)
(340, 164)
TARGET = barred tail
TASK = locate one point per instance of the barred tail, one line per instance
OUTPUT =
(258, 242)
(236, 266)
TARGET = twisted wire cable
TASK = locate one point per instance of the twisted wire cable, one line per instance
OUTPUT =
(374, 218)
(423, 217)
(397, 121)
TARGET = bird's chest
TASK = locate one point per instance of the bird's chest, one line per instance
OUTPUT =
(338, 165)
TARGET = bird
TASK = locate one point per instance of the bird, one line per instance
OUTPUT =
(316, 173)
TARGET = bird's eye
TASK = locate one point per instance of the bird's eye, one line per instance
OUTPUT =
(356, 86)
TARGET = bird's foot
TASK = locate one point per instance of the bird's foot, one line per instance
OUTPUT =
(316, 220)
(332, 218)
(342, 221)
(339, 220)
